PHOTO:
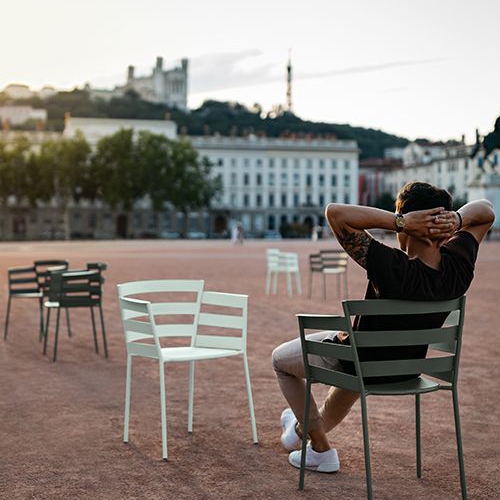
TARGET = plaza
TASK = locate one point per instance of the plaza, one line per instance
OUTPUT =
(61, 423)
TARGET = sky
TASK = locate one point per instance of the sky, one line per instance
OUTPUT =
(415, 68)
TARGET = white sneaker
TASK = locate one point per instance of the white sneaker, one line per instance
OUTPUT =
(327, 461)
(289, 438)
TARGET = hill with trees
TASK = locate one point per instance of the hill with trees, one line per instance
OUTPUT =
(225, 118)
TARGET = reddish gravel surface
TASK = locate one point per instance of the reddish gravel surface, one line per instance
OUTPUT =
(61, 423)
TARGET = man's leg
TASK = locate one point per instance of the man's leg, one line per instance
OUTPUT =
(289, 366)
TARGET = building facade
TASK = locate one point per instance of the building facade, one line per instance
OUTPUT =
(273, 182)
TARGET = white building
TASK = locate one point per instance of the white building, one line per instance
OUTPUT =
(17, 115)
(95, 128)
(273, 182)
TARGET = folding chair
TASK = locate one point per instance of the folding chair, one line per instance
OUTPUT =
(315, 266)
(446, 339)
(143, 332)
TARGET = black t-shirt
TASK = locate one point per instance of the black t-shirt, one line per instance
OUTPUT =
(393, 275)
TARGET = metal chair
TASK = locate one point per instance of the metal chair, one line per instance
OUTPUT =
(28, 282)
(282, 262)
(334, 262)
(145, 324)
(72, 289)
(444, 368)
(315, 266)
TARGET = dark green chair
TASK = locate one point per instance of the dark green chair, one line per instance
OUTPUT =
(28, 282)
(443, 368)
(80, 288)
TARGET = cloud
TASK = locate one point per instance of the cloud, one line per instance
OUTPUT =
(222, 71)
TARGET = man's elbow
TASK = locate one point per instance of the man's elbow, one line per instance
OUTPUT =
(333, 214)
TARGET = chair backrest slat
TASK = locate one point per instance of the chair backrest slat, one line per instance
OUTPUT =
(406, 366)
(322, 322)
(406, 337)
(381, 307)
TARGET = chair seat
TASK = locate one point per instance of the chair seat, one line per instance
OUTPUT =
(51, 304)
(173, 354)
(414, 386)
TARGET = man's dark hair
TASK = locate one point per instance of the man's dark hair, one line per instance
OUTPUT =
(421, 196)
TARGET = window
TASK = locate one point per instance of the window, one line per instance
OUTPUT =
(334, 180)
(259, 179)
(321, 163)
(347, 180)
(334, 164)
(283, 162)
(258, 200)
(347, 164)
(308, 180)
(233, 179)
(296, 179)
(233, 162)
(271, 178)
(259, 162)
(321, 180)
(296, 163)
(321, 200)
(246, 162)
(309, 163)
(296, 200)
(283, 199)
(246, 179)
(284, 179)
(346, 199)
(233, 199)
(220, 162)
(308, 200)
(271, 199)
(271, 162)
(246, 200)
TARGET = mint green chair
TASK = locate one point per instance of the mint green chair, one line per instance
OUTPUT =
(443, 368)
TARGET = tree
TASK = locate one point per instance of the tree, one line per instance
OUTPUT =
(62, 173)
(192, 187)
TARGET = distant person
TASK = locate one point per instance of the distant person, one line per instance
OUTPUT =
(314, 233)
(438, 250)
(237, 234)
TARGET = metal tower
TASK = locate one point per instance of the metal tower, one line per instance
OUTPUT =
(289, 107)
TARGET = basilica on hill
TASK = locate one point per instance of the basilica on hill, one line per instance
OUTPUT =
(167, 87)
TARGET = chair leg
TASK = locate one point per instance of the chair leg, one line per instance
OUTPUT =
(57, 333)
(324, 285)
(163, 411)
(96, 346)
(268, 282)
(456, 412)
(6, 329)
(68, 323)
(346, 292)
(298, 284)
(310, 283)
(128, 383)
(103, 330)
(418, 435)
(305, 430)
(40, 303)
(275, 282)
(46, 332)
(366, 443)
(289, 283)
(191, 396)
(250, 399)
(339, 292)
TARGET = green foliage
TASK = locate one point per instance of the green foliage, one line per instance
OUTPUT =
(492, 140)
(225, 118)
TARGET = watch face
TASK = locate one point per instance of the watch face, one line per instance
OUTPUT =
(400, 221)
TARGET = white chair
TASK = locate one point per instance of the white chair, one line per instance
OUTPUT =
(143, 334)
(282, 262)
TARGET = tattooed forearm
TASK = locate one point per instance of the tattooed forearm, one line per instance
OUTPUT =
(355, 243)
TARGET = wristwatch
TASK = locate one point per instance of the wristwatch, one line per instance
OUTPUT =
(399, 222)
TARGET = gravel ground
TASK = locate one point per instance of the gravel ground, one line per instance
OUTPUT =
(61, 423)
